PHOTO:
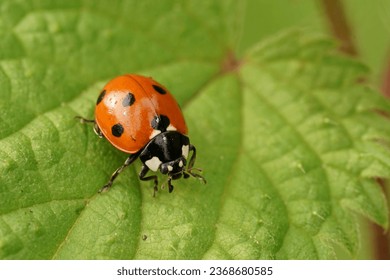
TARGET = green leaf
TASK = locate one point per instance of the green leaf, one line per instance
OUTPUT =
(289, 143)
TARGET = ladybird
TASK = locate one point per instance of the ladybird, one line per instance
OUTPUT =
(140, 117)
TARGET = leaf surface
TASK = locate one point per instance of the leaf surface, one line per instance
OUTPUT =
(289, 143)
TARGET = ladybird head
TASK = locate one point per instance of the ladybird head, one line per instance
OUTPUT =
(174, 168)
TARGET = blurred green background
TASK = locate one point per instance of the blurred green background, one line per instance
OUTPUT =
(369, 22)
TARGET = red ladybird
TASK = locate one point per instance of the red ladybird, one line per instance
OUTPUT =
(140, 117)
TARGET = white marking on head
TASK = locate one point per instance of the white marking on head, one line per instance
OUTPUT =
(171, 128)
(184, 150)
(153, 163)
(170, 168)
(154, 133)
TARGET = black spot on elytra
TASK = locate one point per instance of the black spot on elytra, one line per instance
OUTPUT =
(159, 89)
(128, 100)
(101, 96)
(117, 130)
(160, 122)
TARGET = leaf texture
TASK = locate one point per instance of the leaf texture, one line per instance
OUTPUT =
(290, 142)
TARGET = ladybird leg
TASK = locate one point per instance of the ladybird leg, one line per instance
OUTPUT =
(96, 128)
(128, 161)
(142, 177)
(193, 157)
(191, 162)
(84, 120)
(196, 175)
(170, 187)
(190, 168)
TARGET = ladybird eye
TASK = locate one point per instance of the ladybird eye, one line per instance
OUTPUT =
(159, 89)
(101, 96)
(164, 169)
